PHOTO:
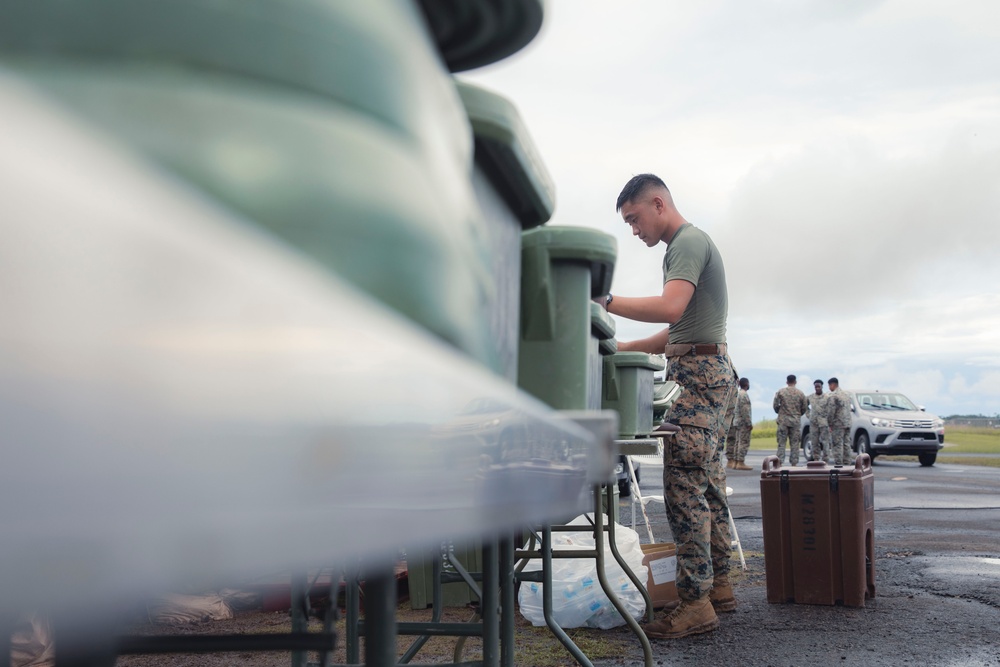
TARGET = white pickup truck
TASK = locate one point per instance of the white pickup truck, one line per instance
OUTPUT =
(887, 422)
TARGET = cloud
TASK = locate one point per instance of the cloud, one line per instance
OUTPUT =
(963, 389)
(843, 155)
(844, 228)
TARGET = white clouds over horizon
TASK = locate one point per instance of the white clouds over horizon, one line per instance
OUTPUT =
(849, 229)
(844, 156)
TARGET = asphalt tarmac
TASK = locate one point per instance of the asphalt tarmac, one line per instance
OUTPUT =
(937, 577)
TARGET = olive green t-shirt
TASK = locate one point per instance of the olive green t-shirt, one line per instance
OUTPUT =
(692, 256)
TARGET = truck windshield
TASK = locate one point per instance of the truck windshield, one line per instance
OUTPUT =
(885, 402)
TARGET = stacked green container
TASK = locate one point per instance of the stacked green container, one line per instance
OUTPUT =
(333, 126)
(665, 394)
(514, 192)
(562, 270)
(602, 344)
(420, 577)
(628, 389)
(474, 33)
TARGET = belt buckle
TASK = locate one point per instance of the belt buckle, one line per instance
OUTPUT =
(694, 350)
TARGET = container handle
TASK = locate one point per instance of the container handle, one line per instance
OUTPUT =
(770, 463)
(862, 463)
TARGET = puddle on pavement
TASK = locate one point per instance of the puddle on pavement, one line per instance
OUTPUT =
(965, 567)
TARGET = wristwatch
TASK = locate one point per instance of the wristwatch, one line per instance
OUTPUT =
(608, 300)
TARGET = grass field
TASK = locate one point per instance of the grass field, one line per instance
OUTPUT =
(972, 440)
(957, 439)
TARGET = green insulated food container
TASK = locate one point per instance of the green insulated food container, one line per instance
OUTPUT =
(474, 33)
(332, 126)
(420, 577)
(665, 394)
(562, 269)
(514, 192)
(628, 389)
(602, 342)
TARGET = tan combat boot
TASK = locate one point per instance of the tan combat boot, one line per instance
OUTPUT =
(730, 463)
(689, 618)
(739, 465)
(721, 596)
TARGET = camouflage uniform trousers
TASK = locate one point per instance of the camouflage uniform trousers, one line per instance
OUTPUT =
(730, 442)
(841, 445)
(742, 442)
(727, 437)
(793, 434)
(694, 478)
(820, 434)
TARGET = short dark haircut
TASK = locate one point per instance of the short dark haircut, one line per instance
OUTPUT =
(833, 381)
(819, 382)
(790, 379)
(745, 383)
(637, 186)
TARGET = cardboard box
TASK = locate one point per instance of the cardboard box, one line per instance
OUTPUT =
(661, 560)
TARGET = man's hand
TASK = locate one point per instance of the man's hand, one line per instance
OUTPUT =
(651, 345)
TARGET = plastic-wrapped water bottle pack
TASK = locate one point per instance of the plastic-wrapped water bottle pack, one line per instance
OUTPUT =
(577, 597)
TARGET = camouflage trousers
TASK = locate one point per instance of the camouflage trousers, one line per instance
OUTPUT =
(729, 443)
(840, 445)
(820, 434)
(738, 443)
(694, 479)
(794, 437)
(727, 437)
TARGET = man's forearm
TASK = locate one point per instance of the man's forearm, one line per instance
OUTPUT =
(666, 308)
(651, 345)
(653, 309)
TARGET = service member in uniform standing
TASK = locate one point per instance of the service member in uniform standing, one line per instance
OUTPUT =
(694, 303)
(790, 404)
(839, 416)
(727, 438)
(738, 440)
(819, 426)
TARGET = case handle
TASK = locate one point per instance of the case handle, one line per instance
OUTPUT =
(770, 463)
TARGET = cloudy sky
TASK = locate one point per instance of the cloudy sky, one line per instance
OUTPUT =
(844, 156)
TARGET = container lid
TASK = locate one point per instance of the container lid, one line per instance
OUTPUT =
(772, 468)
(602, 325)
(373, 57)
(507, 154)
(639, 360)
(473, 33)
(578, 244)
(607, 347)
(665, 393)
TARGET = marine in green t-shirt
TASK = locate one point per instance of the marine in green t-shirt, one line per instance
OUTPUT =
(694, 305)
(695, 301)
(692, 256)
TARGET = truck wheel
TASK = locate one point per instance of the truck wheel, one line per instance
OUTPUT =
(928, 459)
(862, 445)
